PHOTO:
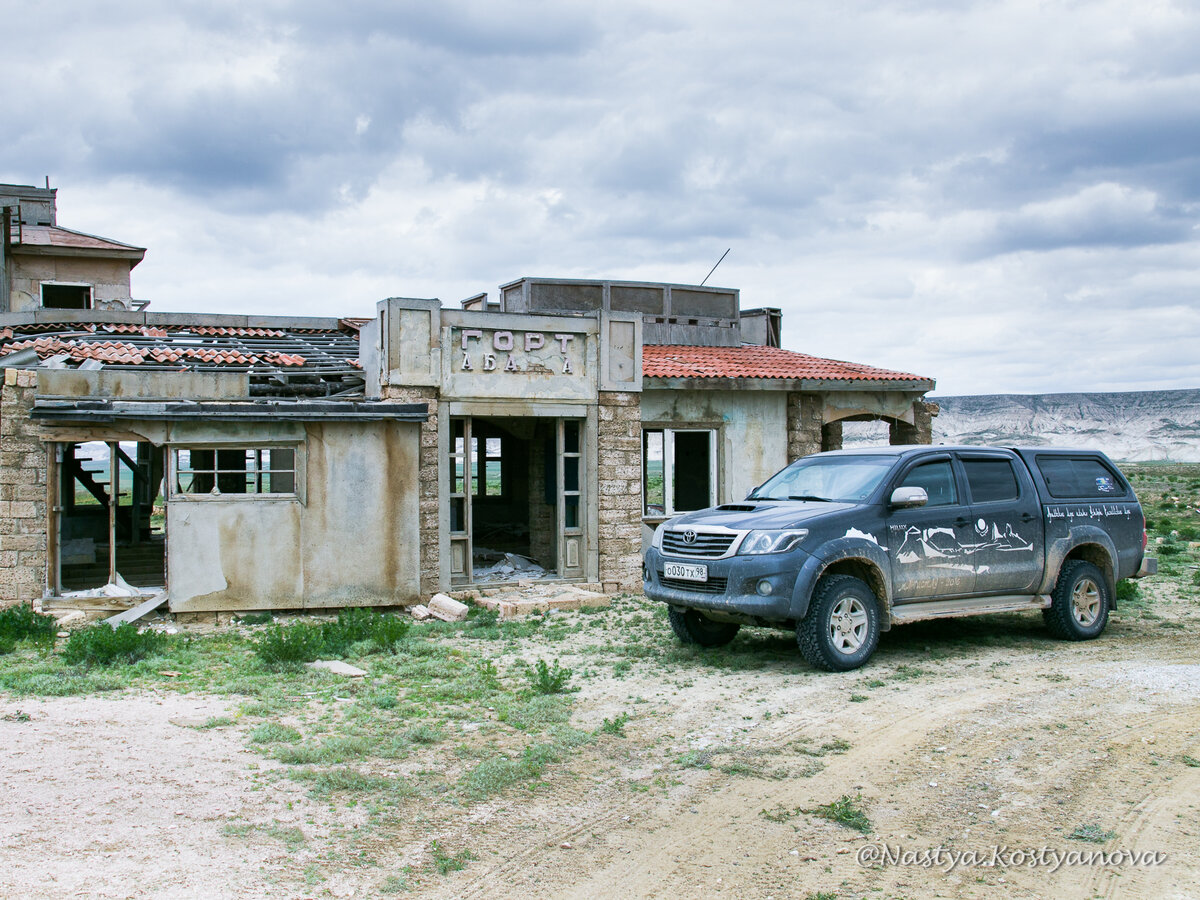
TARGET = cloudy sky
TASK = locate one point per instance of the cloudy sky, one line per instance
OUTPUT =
(999, 195)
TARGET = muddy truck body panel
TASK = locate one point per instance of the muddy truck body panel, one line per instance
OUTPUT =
(906, 533)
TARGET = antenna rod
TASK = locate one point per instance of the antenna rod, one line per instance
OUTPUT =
(714, 268)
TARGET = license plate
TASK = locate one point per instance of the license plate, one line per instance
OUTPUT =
(685, 572)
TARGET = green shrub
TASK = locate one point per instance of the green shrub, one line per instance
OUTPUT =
(21, 623)
(102, 645)
(546, 679)
(358, 625)
(1128, 591)
(298, 643)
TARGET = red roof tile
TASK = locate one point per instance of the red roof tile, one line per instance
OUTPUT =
(65, 238)
(674, 361)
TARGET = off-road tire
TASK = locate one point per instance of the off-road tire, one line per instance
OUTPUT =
(1079, 603)
(841, 629)
(692, 627)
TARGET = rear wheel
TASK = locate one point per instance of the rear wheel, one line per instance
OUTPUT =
(1079, 604)
(693, 627)
(841, 630)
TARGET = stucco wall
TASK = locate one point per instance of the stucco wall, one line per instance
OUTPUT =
(353, 541)
(109, 278)
(753, 424)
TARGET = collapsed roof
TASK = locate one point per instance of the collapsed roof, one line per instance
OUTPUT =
(287, 358)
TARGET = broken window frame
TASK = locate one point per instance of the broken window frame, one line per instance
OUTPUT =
(89, 302)
(668, 441)
(263, 465)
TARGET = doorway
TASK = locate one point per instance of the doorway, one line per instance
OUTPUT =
(516, 499)
(111, 515)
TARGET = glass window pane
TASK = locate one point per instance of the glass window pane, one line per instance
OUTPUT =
(652, 456)
(570, 473)
(991, 480)
(937, 479)
(492, 483)
(570, 436)
(571, 512)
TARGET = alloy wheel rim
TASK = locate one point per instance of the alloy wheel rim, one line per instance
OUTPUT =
(848, 625)
(1085, 602)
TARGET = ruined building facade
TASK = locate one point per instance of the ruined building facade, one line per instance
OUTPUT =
(246, 463)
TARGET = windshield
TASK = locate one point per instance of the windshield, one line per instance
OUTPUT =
(844, 478)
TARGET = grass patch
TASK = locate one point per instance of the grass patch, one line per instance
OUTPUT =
(445, 862)
(1092, 833)
(101, 645)
(497, 773)
(1190, 761)
(274, 733)
(615, 725)
(846, 811)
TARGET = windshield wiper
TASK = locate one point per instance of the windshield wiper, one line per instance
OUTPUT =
(809, 497)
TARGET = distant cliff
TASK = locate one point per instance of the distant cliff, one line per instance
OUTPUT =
(1134, 425)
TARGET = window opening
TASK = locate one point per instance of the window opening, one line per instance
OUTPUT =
(203, 471)
(66, 296)
(679, 470)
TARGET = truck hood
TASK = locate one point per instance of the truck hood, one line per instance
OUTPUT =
(765, 514)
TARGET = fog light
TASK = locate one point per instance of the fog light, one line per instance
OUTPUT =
(645, 573)
(765, 588)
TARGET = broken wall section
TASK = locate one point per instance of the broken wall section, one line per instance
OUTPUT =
(23, 467)
(429, 505)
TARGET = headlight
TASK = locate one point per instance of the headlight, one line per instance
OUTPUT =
(759, 542)
(656, 541)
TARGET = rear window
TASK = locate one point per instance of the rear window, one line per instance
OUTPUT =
(991, 480)
(1080, 478)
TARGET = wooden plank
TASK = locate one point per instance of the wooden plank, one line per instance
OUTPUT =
(142, 609)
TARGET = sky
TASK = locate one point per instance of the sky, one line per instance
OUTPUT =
(1002, 196)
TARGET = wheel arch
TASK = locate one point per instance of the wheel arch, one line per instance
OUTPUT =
(855, 561)
(1099, 557)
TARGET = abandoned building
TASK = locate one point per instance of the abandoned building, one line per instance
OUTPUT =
(46, 266)
(251, 463)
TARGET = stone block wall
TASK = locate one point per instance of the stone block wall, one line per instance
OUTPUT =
(805, 413)
(427, 476)
(620, 502)
(23, 466)
(921, 431)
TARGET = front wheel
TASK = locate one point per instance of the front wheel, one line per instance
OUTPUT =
(1079, 603)
(692, 627)
(841, 629)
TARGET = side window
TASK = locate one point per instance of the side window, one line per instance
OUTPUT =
(937, 478)
(1079, 478)
(990, 480)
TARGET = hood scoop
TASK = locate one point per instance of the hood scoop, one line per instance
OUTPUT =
(736, 507)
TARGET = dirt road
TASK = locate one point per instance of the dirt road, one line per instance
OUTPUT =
(981, 753)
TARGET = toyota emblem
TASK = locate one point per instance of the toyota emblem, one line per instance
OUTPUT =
(689, 537)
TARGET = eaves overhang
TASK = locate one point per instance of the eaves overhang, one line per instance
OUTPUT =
(93, 412)
(787, 384)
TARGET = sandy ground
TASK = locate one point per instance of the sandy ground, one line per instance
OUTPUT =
(995, 752)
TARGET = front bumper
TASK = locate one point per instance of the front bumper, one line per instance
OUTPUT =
(732, 586)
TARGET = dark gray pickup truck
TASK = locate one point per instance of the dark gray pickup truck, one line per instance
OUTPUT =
(843, 545)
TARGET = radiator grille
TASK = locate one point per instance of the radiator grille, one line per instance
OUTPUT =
(703, 546)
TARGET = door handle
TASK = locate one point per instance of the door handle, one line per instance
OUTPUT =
(1027, 517)
(961, 522)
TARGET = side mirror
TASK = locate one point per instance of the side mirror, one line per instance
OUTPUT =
(908, 498)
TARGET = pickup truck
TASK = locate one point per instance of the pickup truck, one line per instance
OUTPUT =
(840, 546)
